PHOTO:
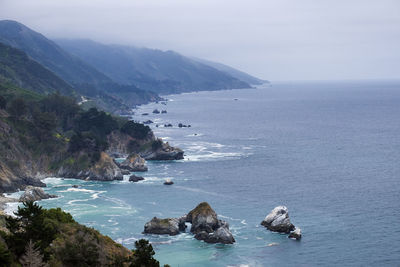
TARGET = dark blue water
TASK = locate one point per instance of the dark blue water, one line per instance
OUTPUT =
(330, 152)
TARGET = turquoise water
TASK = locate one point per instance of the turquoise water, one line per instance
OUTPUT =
(330, 152)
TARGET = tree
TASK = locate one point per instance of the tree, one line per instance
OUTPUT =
(32, 256)
(143, 255)
(136, 130)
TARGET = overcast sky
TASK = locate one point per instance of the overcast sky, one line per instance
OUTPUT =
(275, 40)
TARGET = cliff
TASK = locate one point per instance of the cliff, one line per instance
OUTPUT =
(53, 136)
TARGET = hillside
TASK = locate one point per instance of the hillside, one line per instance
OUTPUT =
(49, 54)
(17, 68)
(240, 75)
(84, 78)
(151, 69)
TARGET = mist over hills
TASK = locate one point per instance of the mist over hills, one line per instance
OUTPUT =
(113, 77)
(151, 69)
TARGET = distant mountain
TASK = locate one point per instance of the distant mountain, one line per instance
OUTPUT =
(20, 70)
(85, 79)
(240, 75)
(49, 54)
(150, 69)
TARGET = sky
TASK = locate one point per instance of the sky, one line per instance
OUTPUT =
(271, 39)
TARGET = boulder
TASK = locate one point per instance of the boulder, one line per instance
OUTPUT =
(221, 235)
(296, 234)
(134, 178)
(34, 193)
(169, 226)
(278, 220)
(134, 163)
(156, 111)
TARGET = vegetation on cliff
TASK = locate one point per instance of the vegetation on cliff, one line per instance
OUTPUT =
(41, 237)
(42, 134)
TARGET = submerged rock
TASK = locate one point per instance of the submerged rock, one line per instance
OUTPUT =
(156, 111)
(134, 163)
(169, 226)
(278, 220)
(134, 178)
(34, 193)
(296, 234)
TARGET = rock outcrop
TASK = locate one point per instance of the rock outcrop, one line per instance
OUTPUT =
(169, 226)
(134, 178)
(207, 227)
(34, 193)
(162, 152)
(104, 170)
(278, 220)
(134, 163)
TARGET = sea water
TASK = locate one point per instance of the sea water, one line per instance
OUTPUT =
(330, 152)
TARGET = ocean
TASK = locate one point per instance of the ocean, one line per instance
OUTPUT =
(329, 151)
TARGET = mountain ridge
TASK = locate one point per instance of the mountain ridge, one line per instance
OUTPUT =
(151, 69)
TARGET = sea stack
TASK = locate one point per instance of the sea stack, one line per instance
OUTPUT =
(278, 221)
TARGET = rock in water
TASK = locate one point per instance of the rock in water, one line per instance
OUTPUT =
(202, 218)
(278, 220)
(134, 178)
(207, 227)
(169, 226)
(168, 182)
(296, 234)
(134, 163)
(162, 152)
(221, 235)
(34, 193)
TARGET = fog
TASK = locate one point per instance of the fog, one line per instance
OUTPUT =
(275, 40)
